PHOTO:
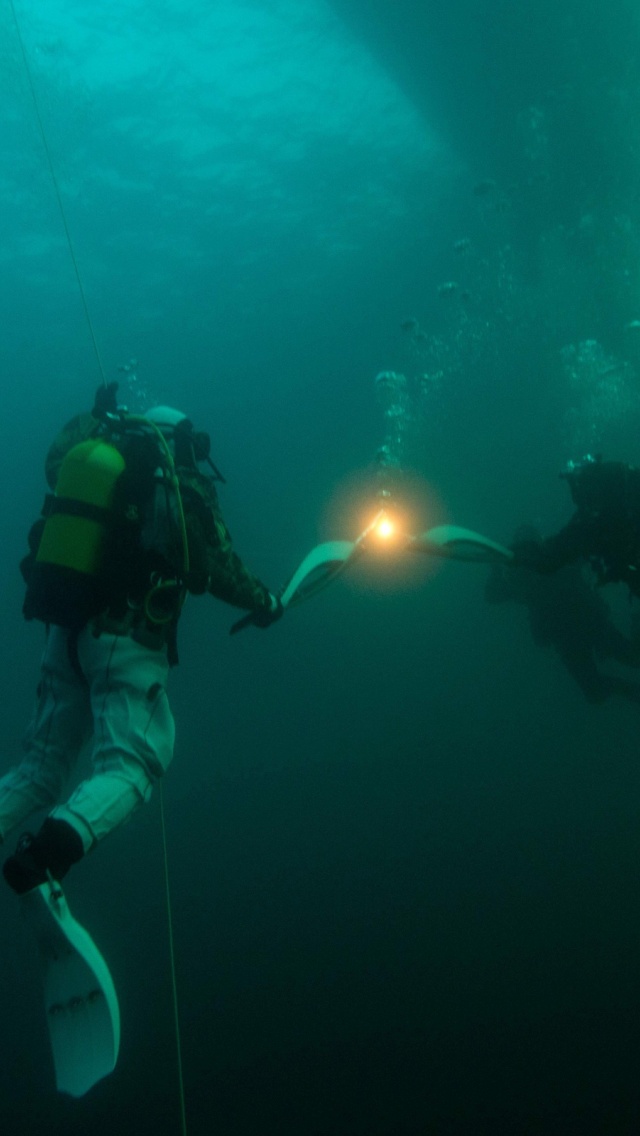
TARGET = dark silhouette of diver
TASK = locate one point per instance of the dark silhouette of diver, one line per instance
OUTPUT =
(567, 614)
(605, 528)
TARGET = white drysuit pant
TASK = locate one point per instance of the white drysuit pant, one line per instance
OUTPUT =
(118, 710)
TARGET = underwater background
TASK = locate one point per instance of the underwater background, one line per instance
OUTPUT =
(404, 852)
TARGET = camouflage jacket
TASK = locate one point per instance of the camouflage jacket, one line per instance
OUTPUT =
(216, 568)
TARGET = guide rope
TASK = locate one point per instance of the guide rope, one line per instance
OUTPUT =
(172, 961)
(74, 259)
(58, 195)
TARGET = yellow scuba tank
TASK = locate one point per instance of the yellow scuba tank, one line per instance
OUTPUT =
(76, 526)
(102, 543)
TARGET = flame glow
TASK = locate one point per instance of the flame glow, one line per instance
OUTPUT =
(385, 528)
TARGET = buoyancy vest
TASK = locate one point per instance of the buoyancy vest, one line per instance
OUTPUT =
(103, 541)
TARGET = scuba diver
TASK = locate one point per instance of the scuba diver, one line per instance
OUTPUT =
(604, 530)
(131, 527)
(566, 613)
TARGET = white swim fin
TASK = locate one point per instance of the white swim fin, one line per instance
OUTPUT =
(80, 999)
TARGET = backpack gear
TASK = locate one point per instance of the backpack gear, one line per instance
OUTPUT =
(112, 537)
(106, 401)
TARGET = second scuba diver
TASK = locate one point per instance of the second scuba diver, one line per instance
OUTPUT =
(604, 530)
(567, 614)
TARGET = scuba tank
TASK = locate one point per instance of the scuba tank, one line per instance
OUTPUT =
(77, 523)
(112, 536)
(64, 582)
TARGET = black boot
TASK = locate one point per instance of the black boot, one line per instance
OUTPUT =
(53, 851)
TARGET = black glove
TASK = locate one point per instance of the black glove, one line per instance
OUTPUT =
(266, 616)
(530, 554)
(106, 401)
(262, 618)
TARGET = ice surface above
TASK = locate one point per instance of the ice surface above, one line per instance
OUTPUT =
(180, 131)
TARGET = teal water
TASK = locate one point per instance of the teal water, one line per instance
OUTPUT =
(403, 850)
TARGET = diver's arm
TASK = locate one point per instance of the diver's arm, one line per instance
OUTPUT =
(564, 547)
(230, 580)
(216, 568)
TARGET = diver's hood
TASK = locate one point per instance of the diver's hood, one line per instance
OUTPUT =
(188, 445)
(165, 417)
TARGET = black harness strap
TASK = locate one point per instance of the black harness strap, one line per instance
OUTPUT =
(70, 507)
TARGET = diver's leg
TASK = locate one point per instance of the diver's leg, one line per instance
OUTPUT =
(133, 733)
(60, 725)
(612, 644)
(623, 687)
(583, 669)
(596, 686)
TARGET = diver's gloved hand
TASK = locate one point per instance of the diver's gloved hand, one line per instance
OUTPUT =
(268, 615)
(106, 401)
(264, 617)
(529, 554)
